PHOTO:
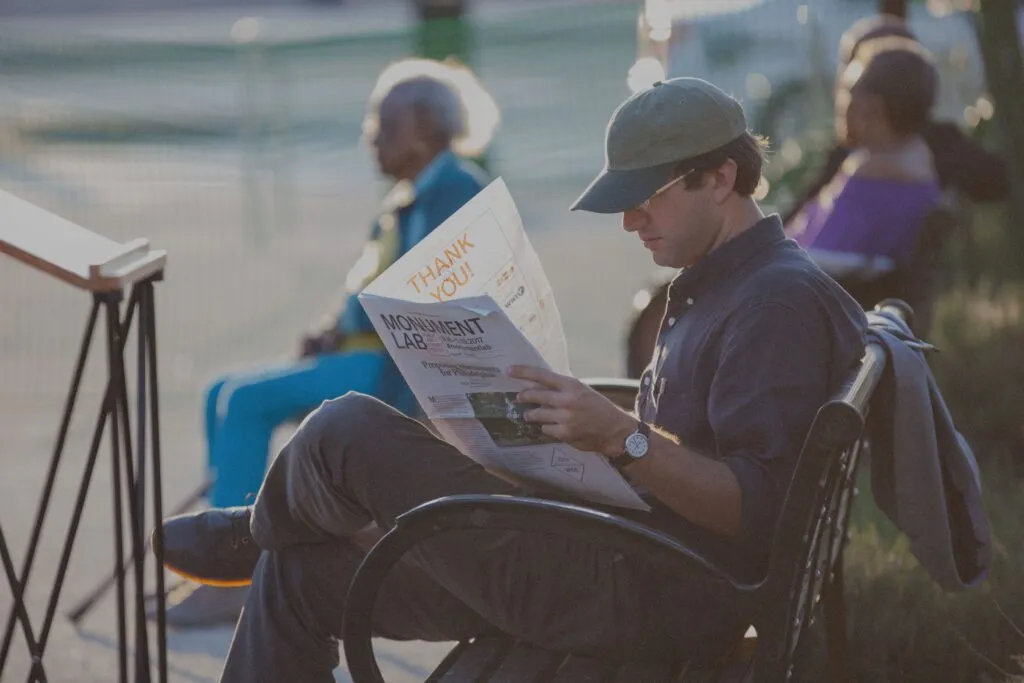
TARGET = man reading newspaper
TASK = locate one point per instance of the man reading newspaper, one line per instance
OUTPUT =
(755, 337)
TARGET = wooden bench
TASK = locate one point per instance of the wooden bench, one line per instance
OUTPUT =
(805, 566)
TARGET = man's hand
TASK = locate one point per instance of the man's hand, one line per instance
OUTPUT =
(320, 342)
(574, 413)
(703, 490)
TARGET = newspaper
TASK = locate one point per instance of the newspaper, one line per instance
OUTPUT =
(455, 312)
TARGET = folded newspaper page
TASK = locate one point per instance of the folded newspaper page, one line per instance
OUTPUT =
(455, 312)
(482, 249)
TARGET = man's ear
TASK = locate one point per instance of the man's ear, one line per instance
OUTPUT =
(723, 181)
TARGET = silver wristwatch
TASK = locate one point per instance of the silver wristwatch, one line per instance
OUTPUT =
(635, 448)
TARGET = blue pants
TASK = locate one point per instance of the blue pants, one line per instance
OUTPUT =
(244, 408)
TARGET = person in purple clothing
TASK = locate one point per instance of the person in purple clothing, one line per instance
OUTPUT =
(960, 162)
(865, 222)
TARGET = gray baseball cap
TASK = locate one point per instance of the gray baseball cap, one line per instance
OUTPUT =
(652, 132)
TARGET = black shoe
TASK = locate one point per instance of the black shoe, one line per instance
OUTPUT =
(213, 547)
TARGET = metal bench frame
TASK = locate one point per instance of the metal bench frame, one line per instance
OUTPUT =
(805, 565)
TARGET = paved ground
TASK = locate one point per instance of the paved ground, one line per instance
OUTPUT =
(244, 278)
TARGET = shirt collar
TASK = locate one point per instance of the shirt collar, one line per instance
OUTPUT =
(430, 173)
(721, 262)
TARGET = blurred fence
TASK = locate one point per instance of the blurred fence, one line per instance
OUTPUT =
(237, 140)
(286, 113)
(278, 101)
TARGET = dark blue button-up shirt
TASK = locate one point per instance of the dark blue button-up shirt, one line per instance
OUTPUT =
(754, 340)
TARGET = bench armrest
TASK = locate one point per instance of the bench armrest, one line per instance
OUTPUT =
(506, 513)
(615, 383)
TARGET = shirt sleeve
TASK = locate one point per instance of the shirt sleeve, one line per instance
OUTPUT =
(771, 379)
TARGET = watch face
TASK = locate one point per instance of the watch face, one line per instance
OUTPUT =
(636, 445)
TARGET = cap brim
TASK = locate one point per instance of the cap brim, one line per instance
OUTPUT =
(619, 191)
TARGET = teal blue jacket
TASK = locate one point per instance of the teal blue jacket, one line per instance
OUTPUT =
(440, 190)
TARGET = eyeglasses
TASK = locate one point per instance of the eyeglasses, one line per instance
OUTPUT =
(646, 204)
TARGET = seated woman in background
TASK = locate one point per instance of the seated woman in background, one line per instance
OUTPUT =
(960, 162)
(865, 222)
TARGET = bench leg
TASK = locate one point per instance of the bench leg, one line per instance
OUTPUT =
(835, 625)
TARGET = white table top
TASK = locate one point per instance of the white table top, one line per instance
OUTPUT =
(70, 252)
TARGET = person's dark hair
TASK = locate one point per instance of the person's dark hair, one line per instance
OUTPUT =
(867, 29)
(902, 74)
(748, 151)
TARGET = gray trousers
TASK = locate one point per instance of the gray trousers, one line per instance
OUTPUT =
(355, 461)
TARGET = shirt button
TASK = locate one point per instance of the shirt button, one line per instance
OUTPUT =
(671, 322)
(689, 301)
(646, 381)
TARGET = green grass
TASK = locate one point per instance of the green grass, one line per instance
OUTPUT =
(903, 627)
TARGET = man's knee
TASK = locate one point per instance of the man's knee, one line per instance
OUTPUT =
(349, 419)
(355, 411)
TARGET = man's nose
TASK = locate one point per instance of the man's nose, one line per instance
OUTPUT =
(633, 220)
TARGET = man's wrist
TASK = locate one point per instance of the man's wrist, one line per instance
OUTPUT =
(616, 441)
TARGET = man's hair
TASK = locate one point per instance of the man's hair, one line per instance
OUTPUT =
(868, 29)
(748, 151)
(468, 122)
(434, 102)
(902, 74)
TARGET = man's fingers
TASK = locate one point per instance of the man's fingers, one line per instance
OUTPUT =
(545, 415)
(541, 376)
(544, 397)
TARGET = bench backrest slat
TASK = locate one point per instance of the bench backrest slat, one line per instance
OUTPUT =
(809, 535)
